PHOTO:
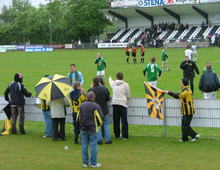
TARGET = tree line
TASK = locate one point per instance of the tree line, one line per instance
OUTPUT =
(63, 20)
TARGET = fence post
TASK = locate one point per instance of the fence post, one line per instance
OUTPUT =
(164, 121)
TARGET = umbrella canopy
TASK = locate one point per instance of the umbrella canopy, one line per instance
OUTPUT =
(53, 87)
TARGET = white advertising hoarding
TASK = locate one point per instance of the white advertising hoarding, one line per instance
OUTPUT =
(207, 1)
(68, 45)
(124, 3)
(150, 3)
(180, 2)
(9, 47)
(112, 45)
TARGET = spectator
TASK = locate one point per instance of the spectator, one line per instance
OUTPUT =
(188, 67)
(75, 75)
(17, 92)
(96, 42)
(89, 117)
(79, 44)
(47, 119)
(121, 95)
(209, 84)
(77, 96)
(58, 115)
(102, 96)
(203, 24)
(187, 110)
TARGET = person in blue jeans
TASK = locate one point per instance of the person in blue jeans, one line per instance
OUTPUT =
(77, 96)
(47, 118)
(102, 96)
(89, 117)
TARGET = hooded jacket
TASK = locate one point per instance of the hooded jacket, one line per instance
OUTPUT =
(76, 97)
(102, 96)
(209, 82)
(121, 92)
(17, 91)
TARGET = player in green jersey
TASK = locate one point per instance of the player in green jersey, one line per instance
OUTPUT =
(152, 70)
(101, 66)
(164, 58)
(208, 63)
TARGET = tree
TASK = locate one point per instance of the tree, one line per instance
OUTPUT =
(83, 19)
(70, 19)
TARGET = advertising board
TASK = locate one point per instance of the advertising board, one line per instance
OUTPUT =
(124, 3)
(56, 46)
(49, 49)
(112, 45)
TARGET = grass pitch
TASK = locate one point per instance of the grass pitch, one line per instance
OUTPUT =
(35, 65)
(34, 152)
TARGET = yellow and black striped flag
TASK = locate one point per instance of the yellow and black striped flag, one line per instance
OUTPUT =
(155, 99)
(7, 126)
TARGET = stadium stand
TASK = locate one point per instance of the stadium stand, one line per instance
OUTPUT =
(174, 22)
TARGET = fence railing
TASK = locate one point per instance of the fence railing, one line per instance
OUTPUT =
(206, 120)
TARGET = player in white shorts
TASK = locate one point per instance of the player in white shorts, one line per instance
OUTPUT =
(194, 52)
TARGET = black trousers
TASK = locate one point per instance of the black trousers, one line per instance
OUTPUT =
(120, 112)
(76, 127)
(56, 122)
(191, 83)
(186, 128)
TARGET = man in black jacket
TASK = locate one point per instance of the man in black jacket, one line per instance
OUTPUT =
(102, 96)
(188, 67)
(89, 117)
(17, 91)
(209, 84)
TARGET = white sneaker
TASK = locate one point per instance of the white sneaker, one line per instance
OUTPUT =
(95, 166)
(84, 165)
(125, 138)
(194, 139)
(183, 141)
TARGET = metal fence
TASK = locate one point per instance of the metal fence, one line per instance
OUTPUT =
(206, 120)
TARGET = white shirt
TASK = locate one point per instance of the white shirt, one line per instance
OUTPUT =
(188, 53)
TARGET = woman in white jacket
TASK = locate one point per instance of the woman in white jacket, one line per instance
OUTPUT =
(58, 116)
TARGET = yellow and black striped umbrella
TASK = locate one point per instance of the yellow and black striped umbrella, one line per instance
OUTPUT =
(155, 99)
(53, 87)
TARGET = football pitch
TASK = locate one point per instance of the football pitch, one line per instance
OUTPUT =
(33, 152)
(140, 152)
(34, 66)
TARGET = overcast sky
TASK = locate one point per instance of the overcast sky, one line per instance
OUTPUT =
(33, 2)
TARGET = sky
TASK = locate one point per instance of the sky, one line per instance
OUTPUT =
(33, 2)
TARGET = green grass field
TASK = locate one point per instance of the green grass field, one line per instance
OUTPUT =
(35, 65)
(142, 151)
(32, 151)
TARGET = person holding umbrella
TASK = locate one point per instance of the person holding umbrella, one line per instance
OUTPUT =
(54, 89)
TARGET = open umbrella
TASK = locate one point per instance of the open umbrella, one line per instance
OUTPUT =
(53, 87)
